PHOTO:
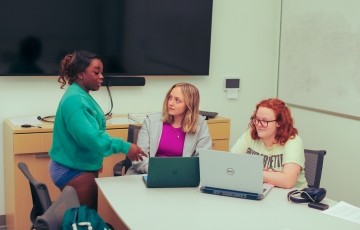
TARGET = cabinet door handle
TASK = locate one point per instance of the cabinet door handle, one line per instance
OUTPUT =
(42, 155)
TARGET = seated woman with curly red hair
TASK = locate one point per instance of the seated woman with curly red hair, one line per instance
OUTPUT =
(272, 134)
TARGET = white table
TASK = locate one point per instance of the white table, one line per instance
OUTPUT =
(188, 208)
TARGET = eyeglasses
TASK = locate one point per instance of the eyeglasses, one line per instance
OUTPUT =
(263, 123)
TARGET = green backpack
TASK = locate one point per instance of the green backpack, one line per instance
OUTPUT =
(83, 218)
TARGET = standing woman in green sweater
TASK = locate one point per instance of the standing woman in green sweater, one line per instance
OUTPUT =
(80, 141)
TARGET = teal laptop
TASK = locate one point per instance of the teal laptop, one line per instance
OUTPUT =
(169, 172)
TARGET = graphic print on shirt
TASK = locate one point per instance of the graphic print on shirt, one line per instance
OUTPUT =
(270, 162)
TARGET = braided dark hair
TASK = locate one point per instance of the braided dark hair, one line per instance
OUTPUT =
(73, 64)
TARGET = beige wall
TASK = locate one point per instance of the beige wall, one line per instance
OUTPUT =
(245, 39)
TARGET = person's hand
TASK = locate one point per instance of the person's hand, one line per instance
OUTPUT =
(136, 153)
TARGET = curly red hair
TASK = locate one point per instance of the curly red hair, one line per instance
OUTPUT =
(286, 129)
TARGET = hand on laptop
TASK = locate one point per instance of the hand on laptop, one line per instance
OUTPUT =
(136, 153)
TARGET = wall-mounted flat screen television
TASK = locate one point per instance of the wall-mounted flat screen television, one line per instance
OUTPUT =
(134, 37)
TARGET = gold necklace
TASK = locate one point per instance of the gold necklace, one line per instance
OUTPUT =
(177, 133)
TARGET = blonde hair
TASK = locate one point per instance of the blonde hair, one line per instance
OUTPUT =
(192, 101)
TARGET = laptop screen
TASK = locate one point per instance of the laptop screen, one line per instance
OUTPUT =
(232, 171)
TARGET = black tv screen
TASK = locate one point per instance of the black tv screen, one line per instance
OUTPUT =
(133, 37)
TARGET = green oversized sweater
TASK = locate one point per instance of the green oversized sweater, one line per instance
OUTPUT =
(80, 140)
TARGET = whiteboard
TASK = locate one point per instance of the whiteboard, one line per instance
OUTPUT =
(319, 63)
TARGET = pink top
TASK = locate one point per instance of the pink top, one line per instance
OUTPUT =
(171, 142)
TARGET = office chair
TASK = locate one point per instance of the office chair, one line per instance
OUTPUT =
(39, 193)
(53, 216)
(314, 160)
(121, 167)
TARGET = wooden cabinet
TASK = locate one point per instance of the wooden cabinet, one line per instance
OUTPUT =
(220, 133)
(31, 145)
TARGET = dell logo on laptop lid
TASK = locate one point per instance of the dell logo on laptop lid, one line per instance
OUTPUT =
(230, 171)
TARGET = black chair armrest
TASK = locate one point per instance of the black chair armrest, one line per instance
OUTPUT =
(121, 167)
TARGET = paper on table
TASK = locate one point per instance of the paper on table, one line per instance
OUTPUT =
(121, 120)
(138, 117)
(25, 120)
(345, 211)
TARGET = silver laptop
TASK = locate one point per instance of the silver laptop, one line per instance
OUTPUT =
(232, 174)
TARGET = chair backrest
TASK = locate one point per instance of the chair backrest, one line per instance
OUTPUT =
(53, 217)
(314, 160)
(39, 193)
(133, 132)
